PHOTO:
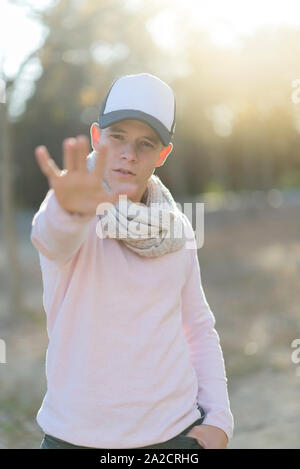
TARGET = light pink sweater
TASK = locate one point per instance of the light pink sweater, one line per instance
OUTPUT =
(132, 345)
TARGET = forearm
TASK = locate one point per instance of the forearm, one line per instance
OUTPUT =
(206, 355)
(207, 359)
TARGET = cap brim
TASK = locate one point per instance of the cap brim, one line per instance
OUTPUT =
(105, 120)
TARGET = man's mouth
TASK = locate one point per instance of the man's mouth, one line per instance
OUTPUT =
(124, 172)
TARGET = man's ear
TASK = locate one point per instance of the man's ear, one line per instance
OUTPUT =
(95, 134)
(164, 154)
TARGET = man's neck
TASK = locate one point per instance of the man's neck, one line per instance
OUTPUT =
(145, 196)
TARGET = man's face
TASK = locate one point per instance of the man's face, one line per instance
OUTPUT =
(134, 146)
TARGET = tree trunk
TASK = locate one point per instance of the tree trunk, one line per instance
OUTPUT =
(10, 243)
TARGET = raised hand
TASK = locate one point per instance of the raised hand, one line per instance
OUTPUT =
(77, 189)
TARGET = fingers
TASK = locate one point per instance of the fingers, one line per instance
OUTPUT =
(46, 163)
(69, 155)
(75, 151)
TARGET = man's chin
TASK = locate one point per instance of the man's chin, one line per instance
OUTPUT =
(123, 189)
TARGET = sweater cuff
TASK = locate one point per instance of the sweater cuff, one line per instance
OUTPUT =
(62, 216)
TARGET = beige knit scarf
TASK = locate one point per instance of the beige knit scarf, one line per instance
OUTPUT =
(151, 228)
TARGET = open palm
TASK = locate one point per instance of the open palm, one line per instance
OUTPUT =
(77, 189)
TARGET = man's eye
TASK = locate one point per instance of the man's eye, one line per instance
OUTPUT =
(147, 144)
(117, 136)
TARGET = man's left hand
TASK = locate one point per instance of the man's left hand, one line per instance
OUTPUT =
(208, 436)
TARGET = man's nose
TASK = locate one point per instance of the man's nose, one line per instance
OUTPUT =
(129, 151)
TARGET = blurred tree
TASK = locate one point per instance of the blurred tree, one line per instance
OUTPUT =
(238, 115)
(236, 126)
(88, 46)
(8, 219)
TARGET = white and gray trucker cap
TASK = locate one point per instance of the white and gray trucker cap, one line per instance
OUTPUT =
(143, 97)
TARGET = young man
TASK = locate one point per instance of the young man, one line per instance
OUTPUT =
(133, 359)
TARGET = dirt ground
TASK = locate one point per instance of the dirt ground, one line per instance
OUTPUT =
(250, 265)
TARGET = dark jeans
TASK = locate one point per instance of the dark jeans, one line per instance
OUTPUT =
(180, 441)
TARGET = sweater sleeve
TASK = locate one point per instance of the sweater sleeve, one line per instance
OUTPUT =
(55, 233)
(206, 355)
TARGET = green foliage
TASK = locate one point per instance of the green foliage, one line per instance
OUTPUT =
(215, 187)
(290, 179)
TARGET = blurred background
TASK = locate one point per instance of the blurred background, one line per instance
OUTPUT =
(235, 70)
